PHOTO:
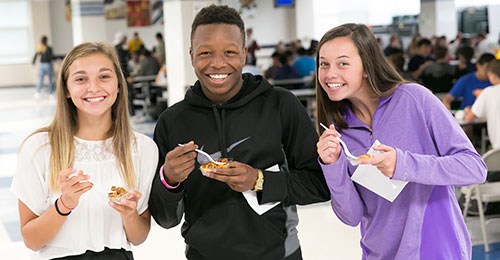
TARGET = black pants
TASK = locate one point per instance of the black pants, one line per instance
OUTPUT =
(192, 254)
(106, 254)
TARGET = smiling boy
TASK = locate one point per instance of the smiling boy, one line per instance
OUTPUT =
(267, 133)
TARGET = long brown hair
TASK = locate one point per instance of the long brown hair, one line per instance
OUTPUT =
(64, 126)
(381, 75)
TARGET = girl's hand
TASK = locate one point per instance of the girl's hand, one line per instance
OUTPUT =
(73, 187)
(385, 162)
(128, 206)
(328, 146)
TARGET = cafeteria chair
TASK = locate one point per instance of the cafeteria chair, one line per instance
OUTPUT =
(484, 193)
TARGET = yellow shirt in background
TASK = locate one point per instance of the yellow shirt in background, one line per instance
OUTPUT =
(134, 45)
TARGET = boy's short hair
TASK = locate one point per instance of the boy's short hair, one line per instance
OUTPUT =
(494, 67)
(301, 51)
(485, 58)
(218, 14)
(424, 41)
(398, 60)
(467, 52)
(440, 52)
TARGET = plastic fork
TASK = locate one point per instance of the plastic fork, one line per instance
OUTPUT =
(353, 159)
(91, 181)
(206, 154)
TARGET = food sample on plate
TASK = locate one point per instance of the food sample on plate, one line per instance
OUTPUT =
(207, 167)
(365, 156)
(117, 194)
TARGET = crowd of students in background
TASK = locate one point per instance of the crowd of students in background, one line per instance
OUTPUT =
(436, 62)
(135, 58)
(292, 61)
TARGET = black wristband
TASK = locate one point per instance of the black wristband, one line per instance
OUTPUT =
(58, 211)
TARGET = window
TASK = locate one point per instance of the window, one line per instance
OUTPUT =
(15, 32)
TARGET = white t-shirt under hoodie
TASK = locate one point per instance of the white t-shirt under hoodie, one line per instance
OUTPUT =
(93, 224)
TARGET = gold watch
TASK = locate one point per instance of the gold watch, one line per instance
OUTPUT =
(259, 183)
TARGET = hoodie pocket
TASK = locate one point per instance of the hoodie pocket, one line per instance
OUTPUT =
(234, 231)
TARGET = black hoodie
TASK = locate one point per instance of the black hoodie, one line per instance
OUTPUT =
(261, 126)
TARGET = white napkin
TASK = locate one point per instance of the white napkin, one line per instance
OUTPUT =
(371, 178)
(251, 197)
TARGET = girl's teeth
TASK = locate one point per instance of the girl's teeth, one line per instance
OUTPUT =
(91, 100)
(336, 85)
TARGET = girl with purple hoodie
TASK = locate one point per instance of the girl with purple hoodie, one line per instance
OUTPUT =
(364, 99)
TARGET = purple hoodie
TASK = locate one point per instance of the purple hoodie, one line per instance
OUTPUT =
(434, 155)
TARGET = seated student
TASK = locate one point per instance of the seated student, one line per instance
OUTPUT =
(465, 65)
(394, 45)
(286, 71)
(271, 71)
(422, 59)
(313, 46)
(134, 63)
(397, 60)
(466, 85)
(148, 65)
(439, 76)
(65, 169)
(305, 64)
(487, 105)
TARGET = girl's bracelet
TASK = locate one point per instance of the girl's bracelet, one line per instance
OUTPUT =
(59, 212)
(64, 206)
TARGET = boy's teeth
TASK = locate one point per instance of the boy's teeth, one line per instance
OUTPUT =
(218, 76)
(95, 99)
(335, 85)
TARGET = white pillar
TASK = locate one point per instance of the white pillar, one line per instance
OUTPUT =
(494, 22)
(438, 17)
(179, 15)
(88, 22)
(304, 17)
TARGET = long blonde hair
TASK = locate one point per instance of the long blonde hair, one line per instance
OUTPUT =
(64, 126)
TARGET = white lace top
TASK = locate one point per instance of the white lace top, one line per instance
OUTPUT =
(93, 224)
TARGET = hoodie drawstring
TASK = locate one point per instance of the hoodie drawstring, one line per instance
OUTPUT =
(220, 129)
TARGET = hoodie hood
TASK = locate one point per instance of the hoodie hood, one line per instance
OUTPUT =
(252, 87)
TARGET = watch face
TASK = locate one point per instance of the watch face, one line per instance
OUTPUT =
(260, 183)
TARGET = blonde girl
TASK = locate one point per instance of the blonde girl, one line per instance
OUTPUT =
(65, 170)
